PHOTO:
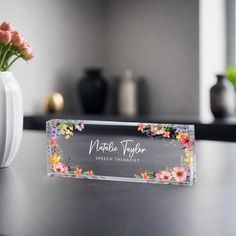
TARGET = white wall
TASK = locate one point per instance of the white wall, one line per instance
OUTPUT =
(230, 32)
(212, 50)
(66, 37)
(158, 39)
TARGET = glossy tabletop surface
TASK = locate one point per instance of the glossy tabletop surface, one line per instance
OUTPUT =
(31, 203)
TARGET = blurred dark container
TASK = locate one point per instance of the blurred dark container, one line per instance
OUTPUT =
(92, 91)
(222, 96)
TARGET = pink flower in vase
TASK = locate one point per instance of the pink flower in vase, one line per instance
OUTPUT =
(164, 176)
(179, 173)
(58, 168)
(13, 47)
(5, 37)
(6, 26)
(29, 55)
(16, 38)
(26, 51)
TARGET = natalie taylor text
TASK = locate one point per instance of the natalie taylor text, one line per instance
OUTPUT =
(128, 147)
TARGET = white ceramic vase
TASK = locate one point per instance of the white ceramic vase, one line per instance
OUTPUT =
(11, 118)
(128, 95)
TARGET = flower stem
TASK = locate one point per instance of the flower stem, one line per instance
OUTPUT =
(3, 58)
(1, 47)
(16, 58)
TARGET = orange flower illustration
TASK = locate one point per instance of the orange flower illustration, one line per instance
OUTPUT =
(145, 175)
(166, 134)
(78, 170)
(90, 173)
(141, 127)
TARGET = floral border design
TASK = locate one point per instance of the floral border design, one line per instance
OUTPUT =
(59, 164)
(177, 174)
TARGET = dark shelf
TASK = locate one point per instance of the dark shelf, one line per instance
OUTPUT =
(222, 130)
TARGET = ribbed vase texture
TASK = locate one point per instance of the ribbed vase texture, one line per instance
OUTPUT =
(11, 118)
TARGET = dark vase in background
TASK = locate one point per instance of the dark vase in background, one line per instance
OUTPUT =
(92, 91)
(222, 96)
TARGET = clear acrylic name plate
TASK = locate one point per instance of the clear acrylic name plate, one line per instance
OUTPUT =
(121, 151)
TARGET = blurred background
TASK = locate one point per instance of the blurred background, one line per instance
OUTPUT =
(123, 59)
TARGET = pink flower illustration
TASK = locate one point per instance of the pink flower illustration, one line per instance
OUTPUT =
(153, 128)
(184, 139)
(6, 26)
(65, 169)
(164, 176)
(179, 173)
(53, 142)
(79, 126)
(54, 123)
(58, 168)
(16, 38)
(5, 37)
(157, 130)
(160, 131)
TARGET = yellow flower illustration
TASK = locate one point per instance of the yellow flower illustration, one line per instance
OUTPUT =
(187, 155)
(55, 159)
(67, 130)
(180, 135)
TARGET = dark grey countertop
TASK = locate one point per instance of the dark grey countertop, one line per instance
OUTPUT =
(31, 203)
